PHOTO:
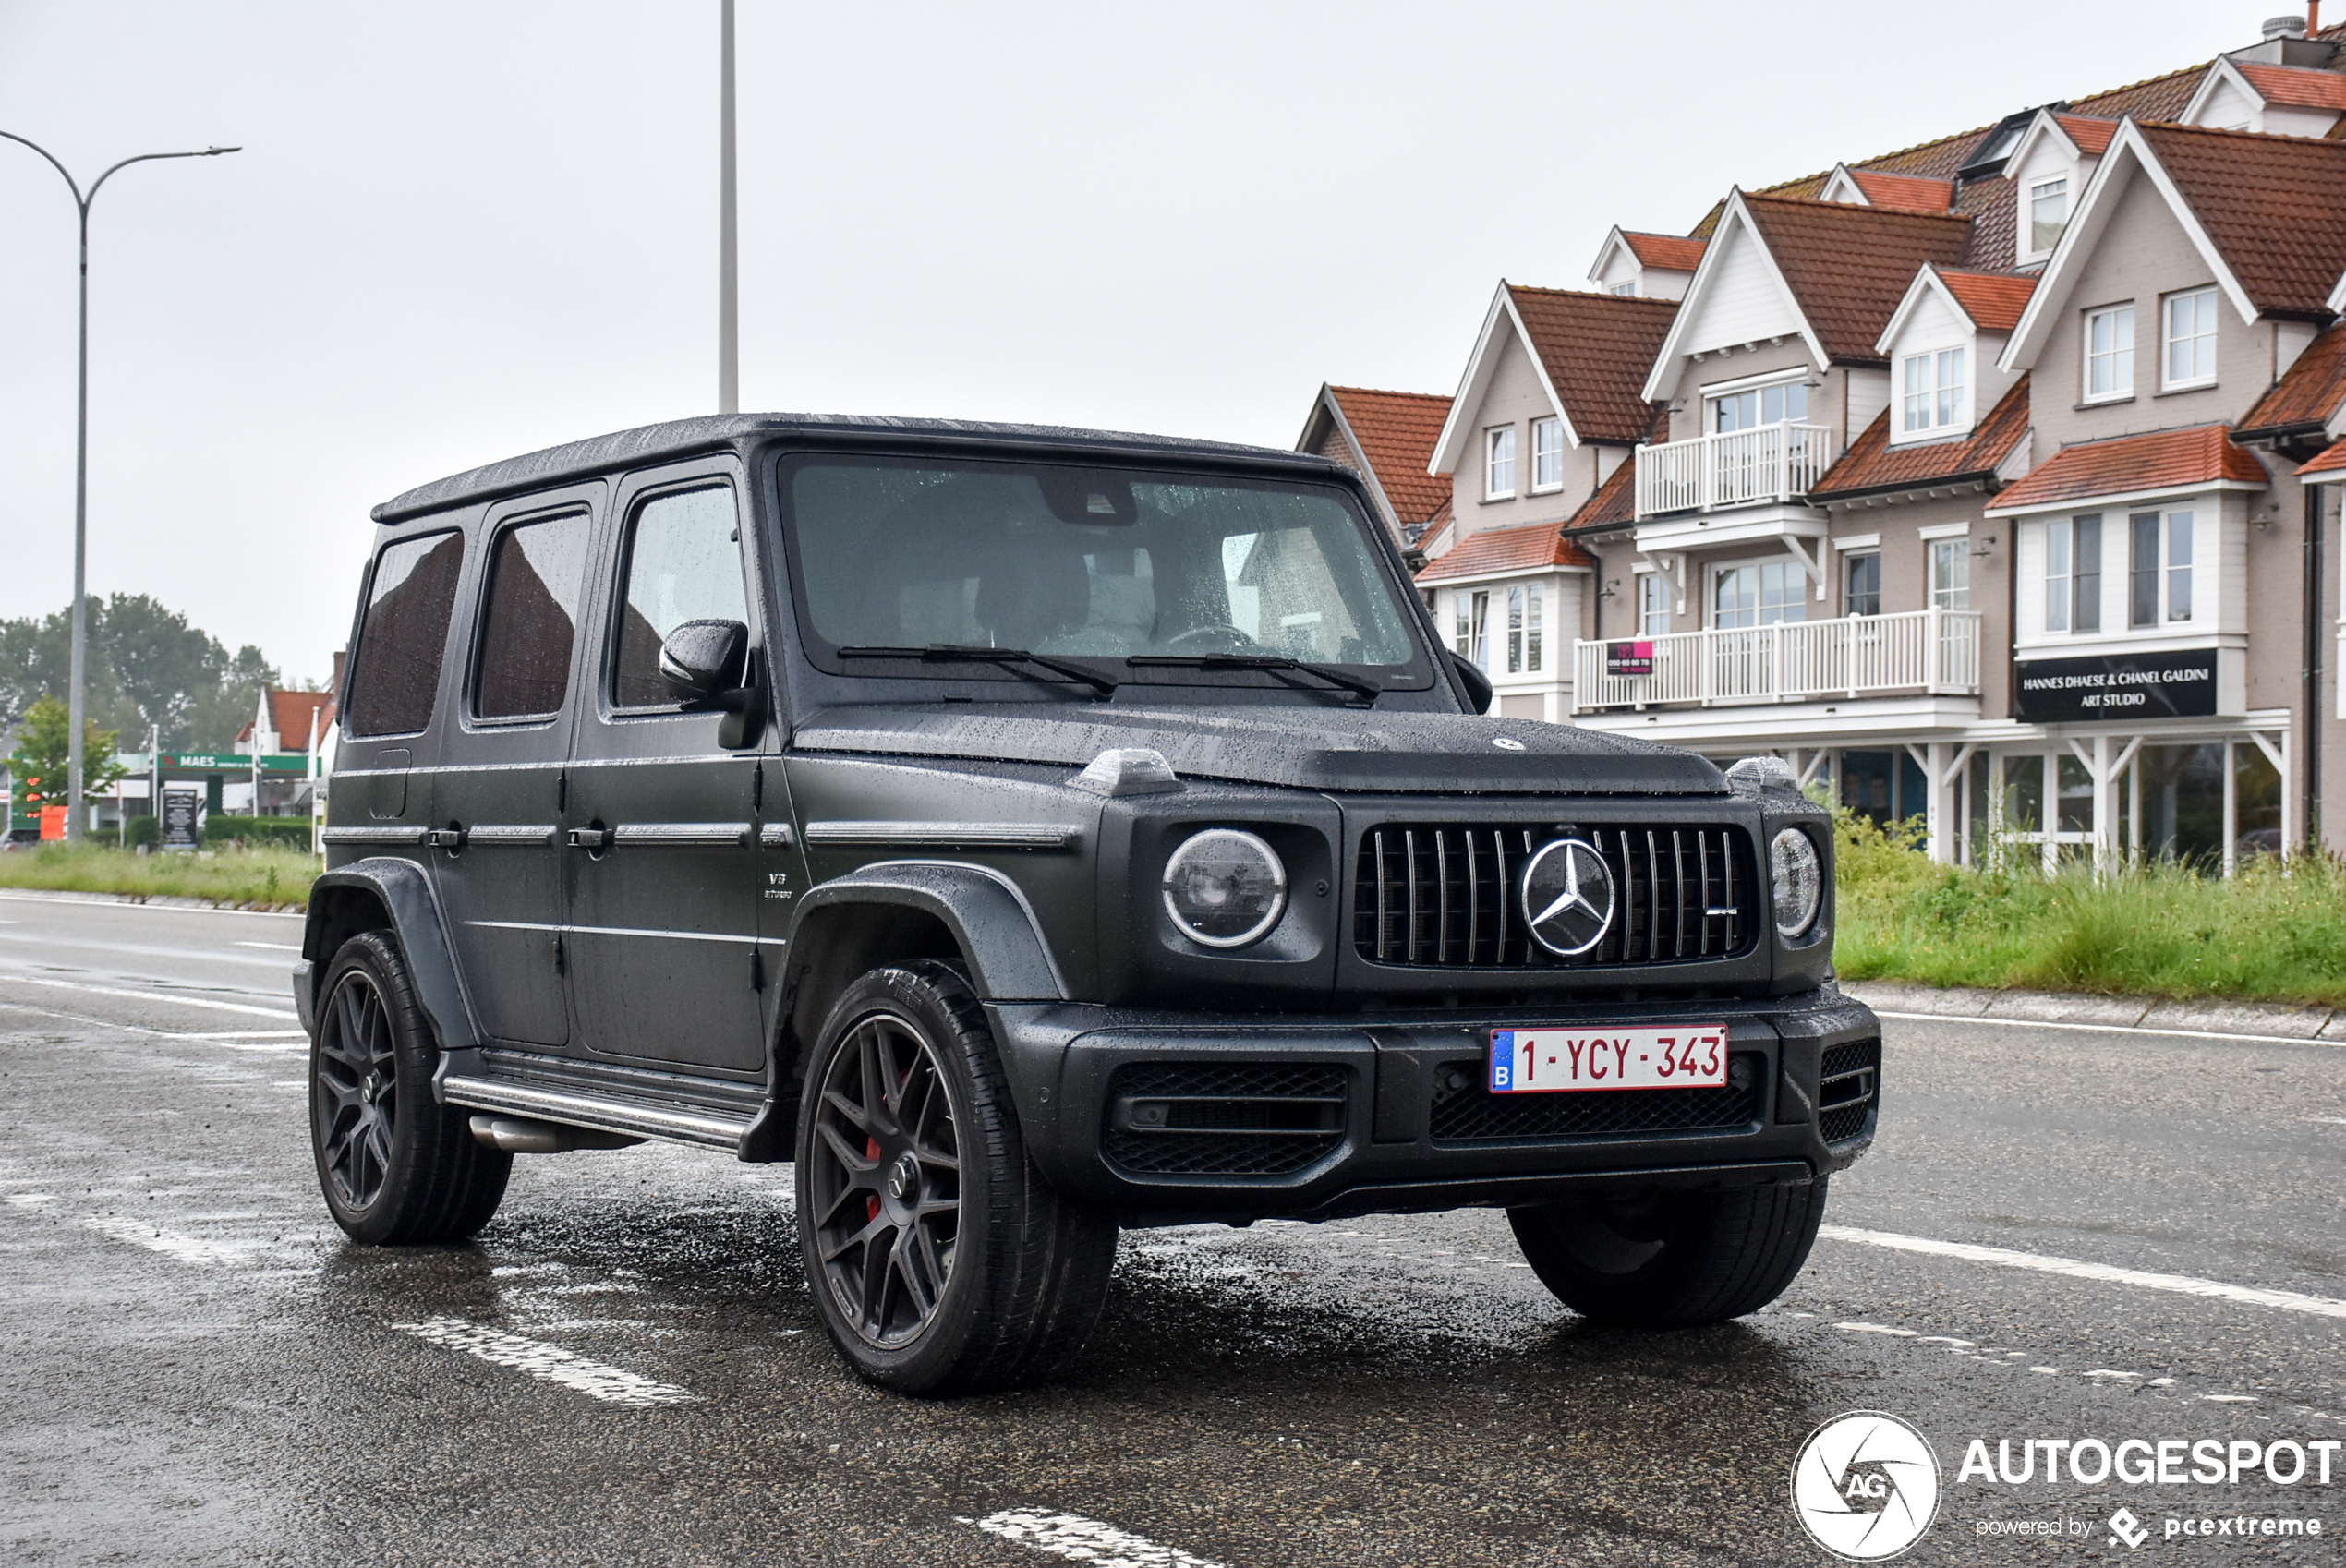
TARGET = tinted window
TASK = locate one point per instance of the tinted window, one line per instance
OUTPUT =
(534, 580)
(396, 679)
(684, 564)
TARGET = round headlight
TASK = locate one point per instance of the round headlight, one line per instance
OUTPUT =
(1225, 889)
(1800, 878)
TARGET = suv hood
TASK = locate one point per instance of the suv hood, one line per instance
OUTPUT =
(1300, 748)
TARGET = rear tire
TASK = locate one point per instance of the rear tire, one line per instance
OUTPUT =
(395, 1165)
(939, 1260)
(1675, 1260)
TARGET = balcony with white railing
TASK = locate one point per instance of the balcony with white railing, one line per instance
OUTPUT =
(1927, 651)
(1769, 463)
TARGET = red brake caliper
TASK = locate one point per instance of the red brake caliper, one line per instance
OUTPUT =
(871, 1204)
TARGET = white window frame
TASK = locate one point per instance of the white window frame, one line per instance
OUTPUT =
(1526, 618)
(1627, 291)
(1757, 389)
(2119, 357)
(2202, 303)
(2060, 539)
(1934, 392)
(1547, 454)
(1470, 624)
(2174, 560)
(1653, 601)
(1950, 568)
(2038, 191)
(1498, 458)
(1791, 608)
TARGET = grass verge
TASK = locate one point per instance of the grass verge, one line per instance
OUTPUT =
(266, 879)
(2157, 931)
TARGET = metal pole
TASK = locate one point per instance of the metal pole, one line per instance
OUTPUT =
(729, 303)
(75, 701)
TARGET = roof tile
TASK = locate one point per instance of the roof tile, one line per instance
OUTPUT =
(2310, 391)
(2296, 89)
(2090, 132)
(1872, 464)
(1849, 267)
(1992, 300)
(2275, 206)
(1904, 193)
(1614, 503)
(2330, 462)
(1666, 253)
(1396, 432)
(1494, 551)
(2161, 459)
(1597, 350)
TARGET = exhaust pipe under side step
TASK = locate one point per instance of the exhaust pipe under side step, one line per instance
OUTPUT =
(519, 1135)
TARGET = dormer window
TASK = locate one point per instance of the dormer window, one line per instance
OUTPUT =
(1782, 403)
(1628, 290)
(2048, 214)
(1931, 390)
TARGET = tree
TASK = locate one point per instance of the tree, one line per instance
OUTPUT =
(162, 664)
(38, 768)
(147, 666)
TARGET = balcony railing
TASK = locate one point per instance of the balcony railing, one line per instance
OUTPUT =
(1767, 462)
(1926, 650)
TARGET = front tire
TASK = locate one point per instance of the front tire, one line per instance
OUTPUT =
(940, 1261)
(1674, 1260)
(395, 1165)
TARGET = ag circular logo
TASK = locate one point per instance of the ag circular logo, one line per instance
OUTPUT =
(1866, 1486)
(1567, 897)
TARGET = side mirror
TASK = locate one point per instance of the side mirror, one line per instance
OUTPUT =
(703, 660)
(1470, 676)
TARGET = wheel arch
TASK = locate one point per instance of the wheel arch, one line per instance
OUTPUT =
(386, 894)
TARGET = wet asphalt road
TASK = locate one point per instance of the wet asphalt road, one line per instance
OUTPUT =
(626, 1370)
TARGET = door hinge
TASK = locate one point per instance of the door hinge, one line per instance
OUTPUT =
(562, 793)
(757, 970)
(562, 957)
(758, 788)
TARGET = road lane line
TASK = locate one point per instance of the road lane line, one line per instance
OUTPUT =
(273, 946)
(230, 1040)
(153, 997)
(2109, 1029)
(1073, 1537)
(29, 897)
(2181, 1285)
(185, 1249)
(550, 1362)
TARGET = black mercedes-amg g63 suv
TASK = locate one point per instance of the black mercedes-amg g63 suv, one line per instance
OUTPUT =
(1030, 832)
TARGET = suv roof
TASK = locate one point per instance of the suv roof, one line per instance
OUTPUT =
(678, 437)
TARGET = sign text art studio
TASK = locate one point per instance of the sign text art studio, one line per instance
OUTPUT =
(2176, 685)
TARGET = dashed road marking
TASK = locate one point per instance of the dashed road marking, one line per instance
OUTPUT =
(185, 1248)
(172, 997)
(2181, 1285)
(1073, 1537)
(550, 1362)
(273, 946)
(2107, 1028)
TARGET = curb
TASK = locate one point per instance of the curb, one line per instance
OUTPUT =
(2291, 1021)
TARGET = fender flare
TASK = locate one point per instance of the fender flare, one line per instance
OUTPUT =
(416, 924)
(989, 918)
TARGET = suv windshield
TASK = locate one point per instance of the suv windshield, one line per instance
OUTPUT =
(1167, 568)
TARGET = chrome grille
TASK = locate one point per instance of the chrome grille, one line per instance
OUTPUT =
(1444, 895)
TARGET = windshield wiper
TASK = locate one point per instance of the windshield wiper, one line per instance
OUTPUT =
(1332, 674)
(1101, 683)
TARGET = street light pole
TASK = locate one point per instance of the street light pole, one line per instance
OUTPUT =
(75, 703)
(728, 288)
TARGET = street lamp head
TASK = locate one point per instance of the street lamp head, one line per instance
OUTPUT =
(217, 151)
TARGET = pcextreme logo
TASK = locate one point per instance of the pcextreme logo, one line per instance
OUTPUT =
(1866, 1486)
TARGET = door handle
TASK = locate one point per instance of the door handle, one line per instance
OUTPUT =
(590, 837)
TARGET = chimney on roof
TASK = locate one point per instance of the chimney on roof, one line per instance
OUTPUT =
(2284, 27)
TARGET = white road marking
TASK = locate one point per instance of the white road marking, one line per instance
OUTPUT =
(26, 1200)
(185, 1249)
(2229, 1398)
(154, 996)
(548, 1362)
(2328, 1121)
(31, 896)
(273, 946)
(1877, 1328)
(1073, 1537)
(2182, 1285)
(2109, 1029)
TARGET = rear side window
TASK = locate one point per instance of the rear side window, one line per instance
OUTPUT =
(396, 679)
(684, 564)
(536, 576)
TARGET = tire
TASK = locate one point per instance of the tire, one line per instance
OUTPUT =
(396, 1166)
(939, 1260)
(1674, 1261)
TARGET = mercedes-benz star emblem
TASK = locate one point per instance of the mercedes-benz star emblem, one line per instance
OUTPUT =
(1567, 897)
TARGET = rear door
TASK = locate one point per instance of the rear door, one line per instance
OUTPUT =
(498, 798)
(664, 872)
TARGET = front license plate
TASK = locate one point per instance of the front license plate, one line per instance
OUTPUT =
(1555, 1061)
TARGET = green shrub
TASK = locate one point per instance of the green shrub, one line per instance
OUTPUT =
(265, 878)
(284, 832)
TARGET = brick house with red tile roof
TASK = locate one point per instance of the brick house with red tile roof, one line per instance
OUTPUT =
(1387, 438)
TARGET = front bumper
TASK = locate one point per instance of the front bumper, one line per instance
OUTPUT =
(1385, 1112)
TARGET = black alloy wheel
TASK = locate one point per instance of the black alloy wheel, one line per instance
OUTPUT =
(939, 1260)
(395, 1164)
(886, 1176)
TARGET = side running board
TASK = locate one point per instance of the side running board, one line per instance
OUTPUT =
(631, 1117)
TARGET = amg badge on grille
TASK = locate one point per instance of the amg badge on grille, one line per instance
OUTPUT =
(1567, 897)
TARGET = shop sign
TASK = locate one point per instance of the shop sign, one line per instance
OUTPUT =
(2180, 683)
(182, 818)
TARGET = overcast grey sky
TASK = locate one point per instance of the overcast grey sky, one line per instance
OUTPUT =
(463, 231)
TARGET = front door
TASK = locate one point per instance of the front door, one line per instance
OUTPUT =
(497, 807)
(664, 866)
